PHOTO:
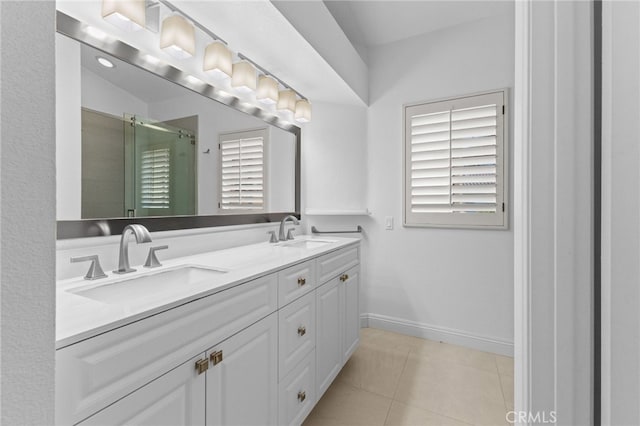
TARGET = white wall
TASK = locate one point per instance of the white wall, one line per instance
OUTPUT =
(27, 212)
(450, 284)
(620, 206)
(334, 158)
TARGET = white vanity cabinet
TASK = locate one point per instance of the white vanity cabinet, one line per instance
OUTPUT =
(338, 314)
(261, 352)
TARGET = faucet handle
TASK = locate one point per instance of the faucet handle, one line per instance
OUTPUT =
(152, 260)
(95, 270)
(290, 234)
(273, 238)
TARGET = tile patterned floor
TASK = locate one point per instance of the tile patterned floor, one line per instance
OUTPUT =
(393, 379)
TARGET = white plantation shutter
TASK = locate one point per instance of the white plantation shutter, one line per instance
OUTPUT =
(454, 162)
(155, 178)
(243, 180)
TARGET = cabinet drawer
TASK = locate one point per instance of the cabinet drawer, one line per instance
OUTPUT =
(297, 392)
(333, 264)
(96, 372)
(295, 281)
(297, 332)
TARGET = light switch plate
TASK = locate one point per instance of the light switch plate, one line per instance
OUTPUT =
(388, 222)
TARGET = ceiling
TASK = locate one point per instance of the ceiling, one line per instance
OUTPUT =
(373, 23)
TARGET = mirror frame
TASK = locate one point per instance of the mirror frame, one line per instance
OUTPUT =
(82, 228)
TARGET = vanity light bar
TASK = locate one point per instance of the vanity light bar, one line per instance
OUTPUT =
(266, 72)
(178, 38)
(285, 99)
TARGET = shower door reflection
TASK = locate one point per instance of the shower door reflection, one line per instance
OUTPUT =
(136, 167)
(160, 164)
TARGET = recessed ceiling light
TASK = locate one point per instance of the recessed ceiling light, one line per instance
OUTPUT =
(105, 62)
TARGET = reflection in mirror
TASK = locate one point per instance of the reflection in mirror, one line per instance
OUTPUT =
(143, 146)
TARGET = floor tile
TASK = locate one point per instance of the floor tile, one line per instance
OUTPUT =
(388, 339)
(405, 380)
(505, 365)
(458, 355)
(507, 391)
(344, 404)
(374, 368)
(407, 415)
(464, 393)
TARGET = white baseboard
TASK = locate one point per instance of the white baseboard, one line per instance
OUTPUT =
(447, 335)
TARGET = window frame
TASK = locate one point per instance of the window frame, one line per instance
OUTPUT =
(498, 220)
(246, 134)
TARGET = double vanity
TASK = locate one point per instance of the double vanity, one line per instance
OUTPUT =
(252, 335)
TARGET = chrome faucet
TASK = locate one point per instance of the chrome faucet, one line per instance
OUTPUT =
(142, 236)
(281, 234)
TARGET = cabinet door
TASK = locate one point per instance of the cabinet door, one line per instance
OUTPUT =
(329, 319)
(175, 398)
(242, 382)
(351, 286)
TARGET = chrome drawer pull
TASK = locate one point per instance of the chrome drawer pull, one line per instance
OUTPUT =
(302, 281)
(302, 330)
(302, 395)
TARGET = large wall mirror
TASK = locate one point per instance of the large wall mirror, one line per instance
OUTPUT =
(135, 146)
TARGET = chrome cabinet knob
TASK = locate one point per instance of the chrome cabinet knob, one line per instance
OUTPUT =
(302, 281)
(302, 330)
(302, 395)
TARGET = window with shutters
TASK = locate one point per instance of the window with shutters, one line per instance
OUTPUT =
(243, 174)
(155, 179)
(455, 162)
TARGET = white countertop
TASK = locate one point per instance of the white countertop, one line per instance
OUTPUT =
(79, 318)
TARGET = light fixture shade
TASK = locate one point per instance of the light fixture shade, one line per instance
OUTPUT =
(287, 100)
(178, 37)
(217, 60)
(267, 90)
(128, 15)
(244, 77)
(303, 111)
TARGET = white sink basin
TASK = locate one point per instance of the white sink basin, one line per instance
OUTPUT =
(152, 288)
(306, 244)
